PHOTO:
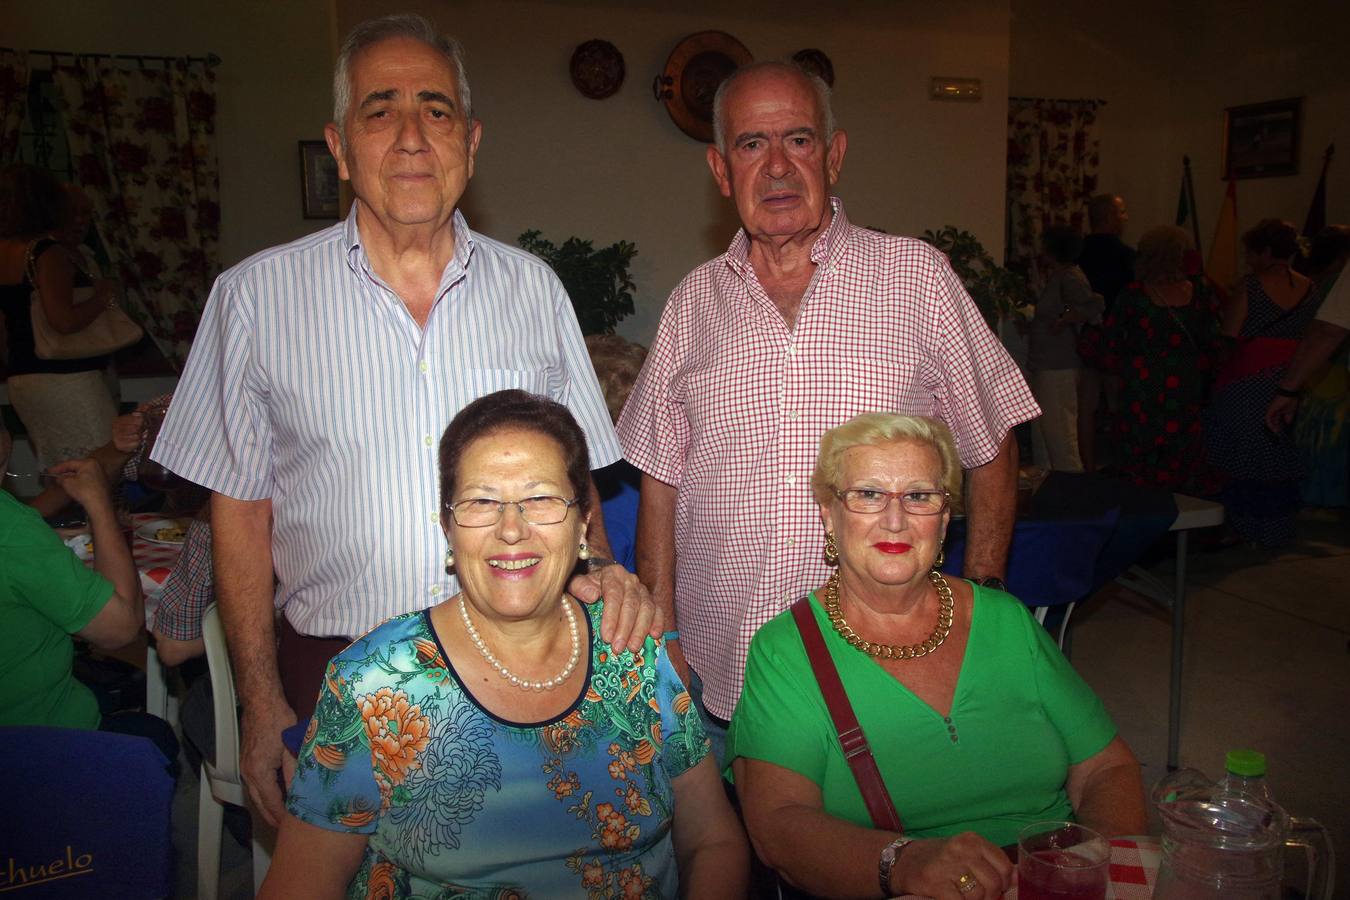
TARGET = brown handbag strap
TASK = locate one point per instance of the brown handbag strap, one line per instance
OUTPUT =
(851, 738)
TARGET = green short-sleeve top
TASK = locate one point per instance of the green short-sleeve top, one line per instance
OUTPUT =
(1020, 717)
(46, 595)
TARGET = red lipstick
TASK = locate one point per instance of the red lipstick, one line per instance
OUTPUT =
(890, 547)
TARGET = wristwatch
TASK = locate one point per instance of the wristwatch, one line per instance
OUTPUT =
(992, 581)
(888, 859)
(599, 562)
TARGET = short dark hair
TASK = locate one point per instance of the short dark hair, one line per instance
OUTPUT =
(516, 410)
(1100, 210)
(1276, 235)
(1327, 248)
(1063, 242)
(31, 201)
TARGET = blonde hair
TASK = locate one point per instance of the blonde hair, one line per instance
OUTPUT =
(873, 429)
(1161, 256)
(617, 363)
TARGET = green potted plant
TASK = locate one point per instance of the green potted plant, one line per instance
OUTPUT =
(598, 281)
(999, 294)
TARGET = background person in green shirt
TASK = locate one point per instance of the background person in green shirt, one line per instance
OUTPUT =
(47, 594)
(978, 724)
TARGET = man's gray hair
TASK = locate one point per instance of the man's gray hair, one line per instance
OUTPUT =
(787, 67)
(373, 31)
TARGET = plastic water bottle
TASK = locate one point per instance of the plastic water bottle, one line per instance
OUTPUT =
(1246, 773)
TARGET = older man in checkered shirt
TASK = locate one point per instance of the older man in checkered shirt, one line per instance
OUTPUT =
(804, 322)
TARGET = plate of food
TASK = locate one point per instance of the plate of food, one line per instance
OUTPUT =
(164, 531)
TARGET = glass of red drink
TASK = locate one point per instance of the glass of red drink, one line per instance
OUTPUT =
(1062, 861)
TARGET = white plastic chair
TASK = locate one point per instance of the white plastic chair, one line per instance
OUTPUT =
(221, 783)
(1040, 611)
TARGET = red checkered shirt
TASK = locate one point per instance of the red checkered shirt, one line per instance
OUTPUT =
(731, 404)
(189, 589)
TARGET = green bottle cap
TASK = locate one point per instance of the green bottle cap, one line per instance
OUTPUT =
(1247, 763)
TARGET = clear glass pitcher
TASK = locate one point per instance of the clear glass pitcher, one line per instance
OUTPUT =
(1222, 843)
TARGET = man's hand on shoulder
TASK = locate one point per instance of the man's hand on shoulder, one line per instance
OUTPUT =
(630, 615)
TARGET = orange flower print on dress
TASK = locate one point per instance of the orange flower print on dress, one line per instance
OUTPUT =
(636, 803)
(311, 729)
(564, 787)
(592, 875)
(380, 885)
(632, 883)
(357, 814)
(644, 752)
(397, 732)
(329, 756)
(681, 703)
(559, 738)
(616, 833)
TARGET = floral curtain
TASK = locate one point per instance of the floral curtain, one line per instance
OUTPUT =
(13, 101)
(1052, 170)
(142, 143)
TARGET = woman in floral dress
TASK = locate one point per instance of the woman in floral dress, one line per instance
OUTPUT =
(494, 746)
(1162, 340)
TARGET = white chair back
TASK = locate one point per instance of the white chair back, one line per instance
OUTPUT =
(221, 782)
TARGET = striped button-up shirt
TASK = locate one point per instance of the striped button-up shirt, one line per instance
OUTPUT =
(731, 405)
(310, 383)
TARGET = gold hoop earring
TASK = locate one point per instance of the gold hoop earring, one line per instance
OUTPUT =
(831, 549)
(583, 552)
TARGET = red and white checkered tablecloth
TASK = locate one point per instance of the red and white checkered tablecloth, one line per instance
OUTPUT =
(1134, 868)
(153, 560)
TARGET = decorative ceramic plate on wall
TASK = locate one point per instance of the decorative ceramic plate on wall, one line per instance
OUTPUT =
(696, 67)
(597, 69)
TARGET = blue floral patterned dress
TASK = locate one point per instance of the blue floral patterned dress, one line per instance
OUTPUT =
(460, 803)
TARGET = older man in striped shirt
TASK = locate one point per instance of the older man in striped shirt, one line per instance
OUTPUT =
(803, 323)
(325, 371)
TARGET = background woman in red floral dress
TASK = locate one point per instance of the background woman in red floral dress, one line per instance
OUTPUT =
(1162, 340)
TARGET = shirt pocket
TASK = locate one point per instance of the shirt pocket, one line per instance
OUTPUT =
(875, 384)
(481, 382)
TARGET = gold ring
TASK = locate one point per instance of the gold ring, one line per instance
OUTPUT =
(967, 883)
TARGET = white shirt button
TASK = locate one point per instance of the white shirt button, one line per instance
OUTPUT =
(435, 519)
(435, 590)
(791, 480)
(792, 414)
(792, 350)
(423, 367)
(791, 542)
(428, 440)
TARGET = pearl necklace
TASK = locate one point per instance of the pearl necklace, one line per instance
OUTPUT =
(891, 651)
(515, 680)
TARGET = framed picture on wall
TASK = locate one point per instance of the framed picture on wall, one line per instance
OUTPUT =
(1261, 139)
(318, 181)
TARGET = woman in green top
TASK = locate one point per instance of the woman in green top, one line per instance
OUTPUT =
(978, 723)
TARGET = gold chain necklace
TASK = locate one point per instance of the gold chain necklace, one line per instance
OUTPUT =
(891, 651)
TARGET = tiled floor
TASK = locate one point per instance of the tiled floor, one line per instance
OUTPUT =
(1267, 666)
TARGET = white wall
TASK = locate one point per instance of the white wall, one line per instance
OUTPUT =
(620, 169)
(273, 87)
(551, 159)
(1167, 71)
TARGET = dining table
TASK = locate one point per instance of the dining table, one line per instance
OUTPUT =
(1133, 869)
(1132, 872)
